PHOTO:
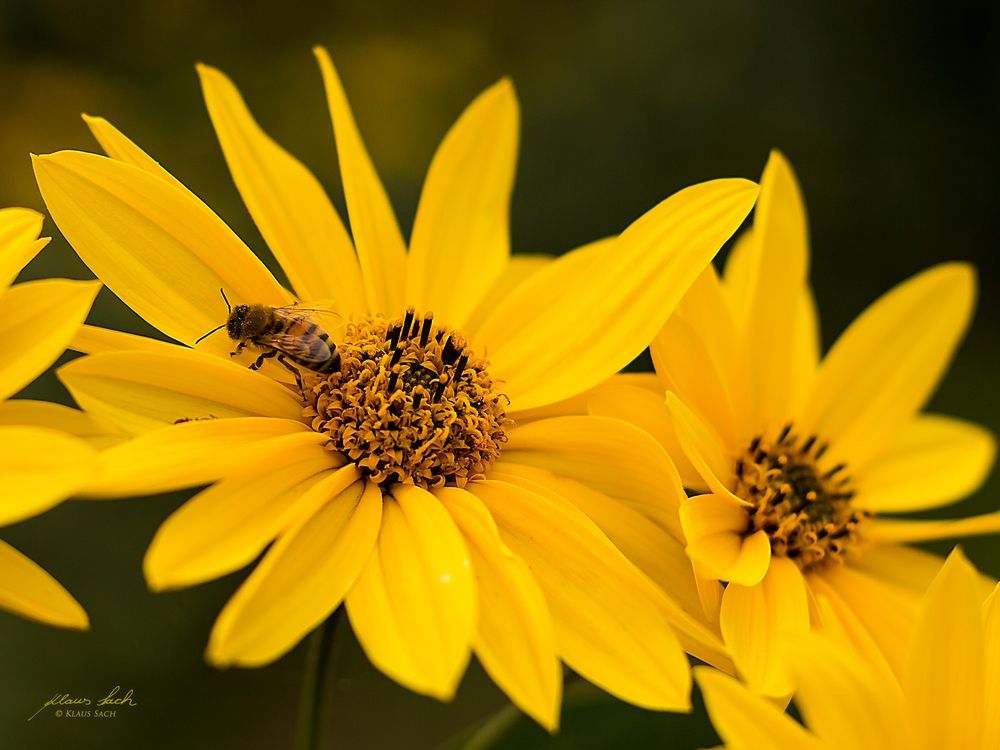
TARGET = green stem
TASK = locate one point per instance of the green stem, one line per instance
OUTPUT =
(322, 643)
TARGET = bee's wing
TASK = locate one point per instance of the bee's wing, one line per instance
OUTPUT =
(322, 311)
(308, 350)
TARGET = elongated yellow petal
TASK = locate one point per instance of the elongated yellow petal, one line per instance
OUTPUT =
(652, 549)
(39, 468)
(932, 461)
(779, 259)
(609, 624)
(886, 364)
(843, 700)
(610, 455)
(991, 660)
(37, 320)
(904, 566)
(141, 391)
(165, 254)
(945, 677)
(518, 269)
(736, 274)
(703, 448)
(886, 530)
(19, 243)
(588, 314)
(514, 638)
(98, 432)
(758, 621)
(193, 453)
(302, 578)
(379, 243)
(97, 340)
(461, 234)
(121, 148)
(29, 591)
(746, 721)
(226, 526)
(291, 209)
(715, 528)
(413, 607)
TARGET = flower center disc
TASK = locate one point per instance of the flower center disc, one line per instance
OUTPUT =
(410, 404)
(807, 514)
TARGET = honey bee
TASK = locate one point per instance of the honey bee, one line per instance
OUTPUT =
(290, 335)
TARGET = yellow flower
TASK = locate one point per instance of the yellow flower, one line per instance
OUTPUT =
(40, 464)
(798, 465)
(948, 695)
(390, 483)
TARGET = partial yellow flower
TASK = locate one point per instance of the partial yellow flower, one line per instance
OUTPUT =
(391, 484)
(41, 464)
(798, 465)
(948, 695)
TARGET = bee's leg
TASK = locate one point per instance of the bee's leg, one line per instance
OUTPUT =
(239, 349)
(256, 364)
(294, 370)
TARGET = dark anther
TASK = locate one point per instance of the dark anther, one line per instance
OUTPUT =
(425, 329)
(393, 337)
(439, 336)
(460, 367)
(777, 498)
(438, 390)
(834, 470)
(396, 355)
(808, 444)
(739, 468)
(784, 432)
(754, 444)
(821, 450)
(393, 377)
(417, 395)
(450, 351)
(407, 322)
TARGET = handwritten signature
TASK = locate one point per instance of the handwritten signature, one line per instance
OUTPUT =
(111, 699)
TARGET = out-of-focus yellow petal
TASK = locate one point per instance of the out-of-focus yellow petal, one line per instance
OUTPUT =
(886, 364)
(514, 639)
(302, 578)
(805, 343)
(193, 453)
(519, 268)
(588, 314)
(945, 676)
(39, 468)
(226, 526)
(736, 273)
(29, 591)
(289, 206)
(843, 700)
(932, 461)
(887, 530)
(609, 625)
(991, 660)
(746, 721)
(647, 410)
(413, 607)
(779, 260)
(758, 621)
(141, 391)
(98, 432)
(610, 455)
(703, 448)
(461, 233)
(37, 320)
(715, 529)
(164, 253)
(379, 243)
(904, 566)
(651, 548)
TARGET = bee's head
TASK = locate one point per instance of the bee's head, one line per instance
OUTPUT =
(234, 325)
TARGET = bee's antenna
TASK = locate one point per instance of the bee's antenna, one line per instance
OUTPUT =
(210, 333)
(228, 306)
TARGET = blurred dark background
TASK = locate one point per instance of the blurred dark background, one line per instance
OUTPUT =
(888, 113)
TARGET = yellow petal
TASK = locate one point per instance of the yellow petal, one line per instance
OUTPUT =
(97, 432)
(758, 621)
(141, 391)
(704, 449)
(39, 468)
(37, 320)
(461, 234)
(886, 364)
(945, 678)
(932, 461)
(119, 147)
(746, 721)
(290, 208)
(226, 526)
(610, 455)
(887, 530)
(647, 410)
(715, 528)
(303, 577)
(805, 345)
(413, 607)
(588, 314)
(29, 591)
(779, 260)
(514, 639)
(843, 700)
(97, 340)
(908, 567)
(164, 253)
(377, 238)
(193, 453)
(991, 659)
(736, 273)
(610, 625)
(519, 268)
(19, 243)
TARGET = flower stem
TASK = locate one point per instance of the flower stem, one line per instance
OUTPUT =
(322, 643)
